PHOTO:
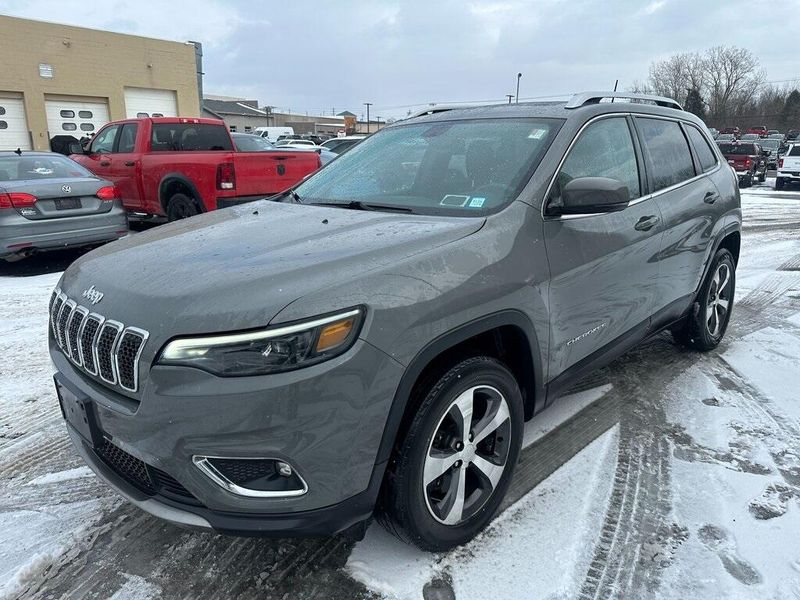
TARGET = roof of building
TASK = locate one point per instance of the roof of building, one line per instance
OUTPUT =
(345, 113)
(246, 108)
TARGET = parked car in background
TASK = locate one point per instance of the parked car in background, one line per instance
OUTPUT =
(342, 144)
(726, 137)
(772, 146)
(759, 130)
(732, 130)
(792, 135)
(776, 136)
(353, 346)
(246, 142)
(714, 132)
(291, 142)
(175, 168)
(788, 167)
(750, 137)
(747, 160)
(774, 133)
(273, 133)
(48, 202)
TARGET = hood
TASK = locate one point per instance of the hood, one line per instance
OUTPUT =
(237, 268)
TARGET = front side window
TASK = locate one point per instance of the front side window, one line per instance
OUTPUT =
(198, 137)
(604, 149)
(665, 147)
(103, 142)
(460, 168)
(708, 159)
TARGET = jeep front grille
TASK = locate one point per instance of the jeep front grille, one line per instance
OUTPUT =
(101, 347)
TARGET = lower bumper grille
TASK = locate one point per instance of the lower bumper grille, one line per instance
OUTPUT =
(142, 476)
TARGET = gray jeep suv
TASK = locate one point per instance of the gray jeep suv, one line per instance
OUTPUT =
(374, 339)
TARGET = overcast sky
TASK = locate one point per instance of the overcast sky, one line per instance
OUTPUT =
(326, 55)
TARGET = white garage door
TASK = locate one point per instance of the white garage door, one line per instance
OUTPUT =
(75, 117)
(13, 125)
(142, 102)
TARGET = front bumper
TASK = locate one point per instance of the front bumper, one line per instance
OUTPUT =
(326, 421)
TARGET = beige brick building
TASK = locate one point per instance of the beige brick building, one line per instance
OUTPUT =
(64, 80)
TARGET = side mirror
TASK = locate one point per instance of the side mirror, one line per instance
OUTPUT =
(76, 148)
(584, 195)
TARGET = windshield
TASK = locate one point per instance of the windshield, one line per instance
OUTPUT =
(772, 144)
(464, 168)
(37, 166)
(743, 149)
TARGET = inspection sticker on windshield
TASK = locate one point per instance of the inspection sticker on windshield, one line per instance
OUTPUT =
(454, 200)
(537, 134)
(476, 202)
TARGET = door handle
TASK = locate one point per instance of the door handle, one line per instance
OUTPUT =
(646, 223)
(710, 197)
(129, 163)
(104, 163)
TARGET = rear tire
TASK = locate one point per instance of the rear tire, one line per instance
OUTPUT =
(467, 475)
(779, 183)
(763, 177)
(181, 206)
(704, 329)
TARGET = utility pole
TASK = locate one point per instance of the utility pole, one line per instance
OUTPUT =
(378, 119)
(367, 104)
(519, 76)
(509, 96)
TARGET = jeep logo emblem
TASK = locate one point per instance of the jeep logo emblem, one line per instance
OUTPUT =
(92, 295)
(66, 189)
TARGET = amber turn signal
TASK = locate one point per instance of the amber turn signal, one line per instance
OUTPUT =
(334, 334)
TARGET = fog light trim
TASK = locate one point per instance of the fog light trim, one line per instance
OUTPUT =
(209, 470)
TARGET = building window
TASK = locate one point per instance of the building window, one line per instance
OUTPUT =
(3, 125)
(247, 129)
(2, 110)
(87, 127)
(142, 115)
(85, 114)
(67, 114)
(69, 126)
(233, 128)
(158, 114)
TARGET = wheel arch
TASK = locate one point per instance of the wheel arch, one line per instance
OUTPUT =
(173, 183)
(507, 335)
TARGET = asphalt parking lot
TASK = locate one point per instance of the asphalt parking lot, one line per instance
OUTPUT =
(665, 464)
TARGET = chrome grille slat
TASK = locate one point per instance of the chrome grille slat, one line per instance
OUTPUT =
(101, 347)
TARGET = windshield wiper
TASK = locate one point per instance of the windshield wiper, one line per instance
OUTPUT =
(359, 205)
(290, 193)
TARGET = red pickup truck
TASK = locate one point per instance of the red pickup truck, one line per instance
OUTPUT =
(176, 167)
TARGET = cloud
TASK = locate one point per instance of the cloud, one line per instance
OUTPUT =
(652, 8)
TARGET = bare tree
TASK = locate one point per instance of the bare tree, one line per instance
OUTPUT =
(733, 78)
(676, 75)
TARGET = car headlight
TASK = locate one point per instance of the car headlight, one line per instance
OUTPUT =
(271, 350)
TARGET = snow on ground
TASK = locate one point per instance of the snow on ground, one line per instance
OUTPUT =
(540, 545)
(694, 493)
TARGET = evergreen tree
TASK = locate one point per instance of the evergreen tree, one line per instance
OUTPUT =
(791, 111)
(695, 103)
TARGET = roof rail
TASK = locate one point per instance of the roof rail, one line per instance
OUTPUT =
(584, 98)
(438, 108)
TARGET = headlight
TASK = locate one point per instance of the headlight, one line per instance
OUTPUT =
(270, 350)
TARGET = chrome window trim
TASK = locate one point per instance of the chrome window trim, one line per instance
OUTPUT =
(119, 327)
(635, 201)
(101, 321)
(208, 469)
(144, 334)
(82, 310)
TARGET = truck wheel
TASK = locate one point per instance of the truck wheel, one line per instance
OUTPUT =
(181, 206)
(779, 183)
(706, 326)
(453, 468)
(763, 177)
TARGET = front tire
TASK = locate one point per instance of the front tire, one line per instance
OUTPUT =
(706, 326)
(763, 177)
(453, 468)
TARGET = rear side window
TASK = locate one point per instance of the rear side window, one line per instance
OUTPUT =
(604, 149)
(708, 159)
(127, 137)
(670, 161)
(198, 137)
(794, 151)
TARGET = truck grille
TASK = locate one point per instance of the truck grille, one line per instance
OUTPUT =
(101, 347)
